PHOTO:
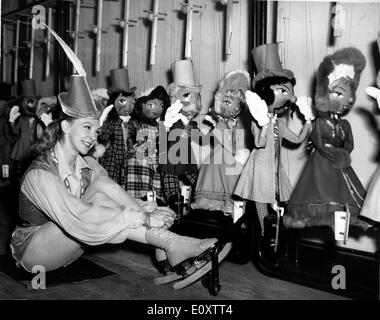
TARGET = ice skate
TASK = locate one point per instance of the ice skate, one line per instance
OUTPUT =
(194, 269)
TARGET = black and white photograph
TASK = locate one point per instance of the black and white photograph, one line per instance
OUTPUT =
(189, 157)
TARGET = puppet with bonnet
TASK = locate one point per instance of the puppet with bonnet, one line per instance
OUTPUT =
(221, 169)
(328, 183)
(117, 127)
(264, 179)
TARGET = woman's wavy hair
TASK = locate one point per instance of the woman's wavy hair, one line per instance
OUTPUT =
(52, 133)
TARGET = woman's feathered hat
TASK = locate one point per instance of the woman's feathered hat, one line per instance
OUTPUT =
(77, 102)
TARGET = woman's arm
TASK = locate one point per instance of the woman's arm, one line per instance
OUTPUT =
(91, 223)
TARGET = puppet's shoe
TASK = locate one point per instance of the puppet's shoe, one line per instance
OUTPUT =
(178, 248)
(289, 223)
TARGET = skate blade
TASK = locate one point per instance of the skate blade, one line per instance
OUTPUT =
(188, 280)
(166, 279)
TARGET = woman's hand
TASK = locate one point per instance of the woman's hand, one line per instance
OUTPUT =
(162, 217)
(149, 206)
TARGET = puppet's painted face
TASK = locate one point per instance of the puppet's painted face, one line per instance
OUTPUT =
(124, 105)
(190, 98)
(340, 96)
(283, 98)
(152, 109)
(29, 105)
(227, 103)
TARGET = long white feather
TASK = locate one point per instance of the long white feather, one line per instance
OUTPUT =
(70, 53)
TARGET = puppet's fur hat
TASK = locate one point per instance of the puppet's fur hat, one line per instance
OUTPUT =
(348, 63)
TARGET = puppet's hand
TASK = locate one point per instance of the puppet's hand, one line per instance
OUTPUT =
(208, 118)
(105, 113)
(257, 107)
(305, 106)
(46, 119)
(242, 156)
(14, 114)
(173, 114)
(374, 93)
(342, 159)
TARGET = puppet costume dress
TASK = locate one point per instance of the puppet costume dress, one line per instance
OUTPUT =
(122, 137)
(220, 172)
(27, 129)
(141, 164)
(178, 159)
(323, 187)
(263, 178)
(87, 223)
(371, 203)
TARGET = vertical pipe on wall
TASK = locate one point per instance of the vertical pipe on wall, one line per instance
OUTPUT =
(15, 74)
(189, 29)
(48, 44)
(125, 34)
(2, 54)
(31, 55)
(98, 35)
(154, 34)
(230, 6)
(77, 16)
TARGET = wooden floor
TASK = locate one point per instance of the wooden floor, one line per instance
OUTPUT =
(134, 281)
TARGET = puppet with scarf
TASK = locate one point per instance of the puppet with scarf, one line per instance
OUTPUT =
(328, 183)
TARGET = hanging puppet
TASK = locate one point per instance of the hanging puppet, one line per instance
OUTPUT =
(6, 138)
(47, 110)
(142, 158)
(263, 179)
(221, 169)
(328, 183)
(26, 126)
(371, 205)
(118, 131)
(178, 164)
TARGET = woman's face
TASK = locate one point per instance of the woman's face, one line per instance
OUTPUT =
(82, 133)
(152, 109)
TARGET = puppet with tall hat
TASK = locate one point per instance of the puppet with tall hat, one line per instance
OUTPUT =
(26, 126)
(178, 164)
(263, 179)
(118, 130)
(328, 183)
(220, 171)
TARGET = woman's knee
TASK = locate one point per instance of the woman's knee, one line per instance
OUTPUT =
(50, 248)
